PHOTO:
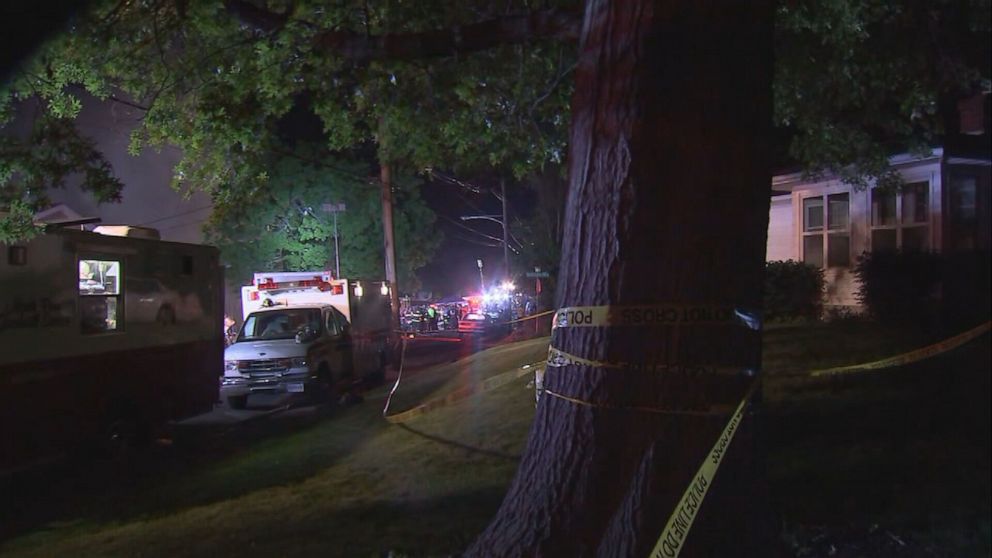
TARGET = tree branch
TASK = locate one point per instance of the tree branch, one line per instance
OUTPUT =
(514, 29)
(255, 17)
(510, 29)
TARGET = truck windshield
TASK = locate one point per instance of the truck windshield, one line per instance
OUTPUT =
(279, 324)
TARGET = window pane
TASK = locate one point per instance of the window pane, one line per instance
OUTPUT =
(883, 208)
(813, 214)
(915, 239)
(98, 314)
(838, 250)
(837, 211)
(963, 198)
(963, 225)
(883, 240)
(332, 325)
(914, 203)
(99, 277)
(813, 250)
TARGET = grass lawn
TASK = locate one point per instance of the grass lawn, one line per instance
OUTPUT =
(907, 450)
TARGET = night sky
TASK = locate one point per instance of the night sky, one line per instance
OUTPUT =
(454, 270)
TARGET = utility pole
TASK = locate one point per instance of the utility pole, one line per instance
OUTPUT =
(482, 281)
(506, 231)
(389, 245)
(388, 240)
(334, 209)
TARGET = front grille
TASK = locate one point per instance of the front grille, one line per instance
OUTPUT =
(263, 368)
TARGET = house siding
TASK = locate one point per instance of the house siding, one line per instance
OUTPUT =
(785, 230)
(781, 230)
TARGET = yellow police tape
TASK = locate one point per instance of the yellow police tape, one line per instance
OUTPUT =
(527, 318)
(643, 315)
(457, 395)
(652, 315)
(558, 358)
(676, 530)
(910, 357)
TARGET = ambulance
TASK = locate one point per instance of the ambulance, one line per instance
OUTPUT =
(104, 336)
(307, 333)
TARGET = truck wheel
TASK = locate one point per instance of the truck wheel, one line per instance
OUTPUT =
(237, 401)
(123, 431)
(322, 390)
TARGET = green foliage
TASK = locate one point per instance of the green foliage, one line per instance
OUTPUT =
(899, 286)
(17, 223)
(280, 225)
(217, 88)
(857, 79)
(793, 290)
(926, 288)
(53, 151)
(541, 233)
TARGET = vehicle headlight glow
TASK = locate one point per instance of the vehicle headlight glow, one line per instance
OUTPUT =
(299, 362)
(230, 366)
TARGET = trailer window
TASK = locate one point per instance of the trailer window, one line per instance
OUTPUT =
(99, 295)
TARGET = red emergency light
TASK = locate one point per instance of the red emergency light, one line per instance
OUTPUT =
(317, 282)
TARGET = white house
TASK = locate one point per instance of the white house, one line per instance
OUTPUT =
(944, 206)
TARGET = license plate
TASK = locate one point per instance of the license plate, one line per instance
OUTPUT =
(295, 387)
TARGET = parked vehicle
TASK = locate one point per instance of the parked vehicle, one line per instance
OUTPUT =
(103, 338)
(305, 332)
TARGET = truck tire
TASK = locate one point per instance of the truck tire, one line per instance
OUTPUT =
(123, 430)
(237, 401)
(322, 391)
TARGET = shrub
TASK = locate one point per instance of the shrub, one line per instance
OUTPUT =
(793, 290)
(900, 286)
(965, 289)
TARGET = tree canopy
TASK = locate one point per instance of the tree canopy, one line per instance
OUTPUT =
(282, 226)
(453, 85)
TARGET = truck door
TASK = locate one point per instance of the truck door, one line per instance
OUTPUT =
(339, 346)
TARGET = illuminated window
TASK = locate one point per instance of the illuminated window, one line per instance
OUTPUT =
(827, 230)
(901, 220)
(100, 296)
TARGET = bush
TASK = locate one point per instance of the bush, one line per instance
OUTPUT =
(900, 286)
(965, 289)
(793, 290)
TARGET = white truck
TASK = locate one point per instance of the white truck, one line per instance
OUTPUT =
(306, 332)
(103, 336)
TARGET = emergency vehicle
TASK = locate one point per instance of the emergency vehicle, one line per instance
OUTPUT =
(307, 332)
(103, 336)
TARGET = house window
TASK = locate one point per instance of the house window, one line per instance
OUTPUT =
(827, 230)
(100, 307)
(963, 212)
(901, 220)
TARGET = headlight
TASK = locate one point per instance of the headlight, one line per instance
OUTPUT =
(231, 366)
(299, 362)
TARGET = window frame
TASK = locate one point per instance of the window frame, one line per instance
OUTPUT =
(899, 226)
(824, 232)
(119, 296)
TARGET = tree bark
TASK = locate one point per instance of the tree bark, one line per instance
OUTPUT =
(668, 204)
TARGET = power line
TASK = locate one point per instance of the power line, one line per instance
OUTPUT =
(173, 216)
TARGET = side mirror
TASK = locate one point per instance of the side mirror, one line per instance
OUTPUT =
(306, 335)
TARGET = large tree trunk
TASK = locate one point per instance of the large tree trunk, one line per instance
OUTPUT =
(668, 204)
